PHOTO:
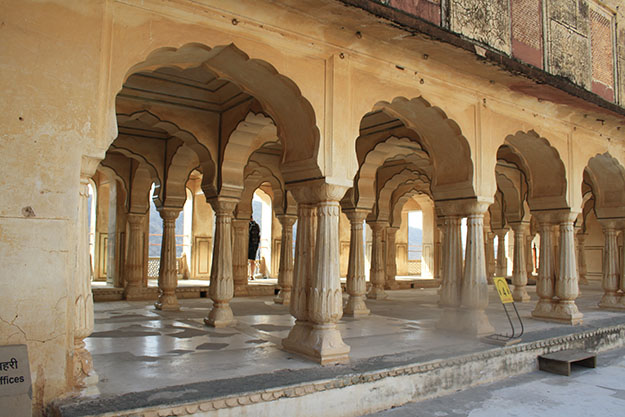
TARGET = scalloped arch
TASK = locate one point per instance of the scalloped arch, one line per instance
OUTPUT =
(607, 181)
(442, 140)
(279, 96)
(255, 175)
(407, 177)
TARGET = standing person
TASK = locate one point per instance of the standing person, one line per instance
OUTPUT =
(253, 241)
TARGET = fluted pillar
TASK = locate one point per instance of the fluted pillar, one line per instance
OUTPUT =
(545, 283)
(168, 271)
(474, 292)
(318, 337)
(489, 251)
(611, 274)
(377, 275)
(519, 273)
(221, 288)
(240, 234)
(356, 285)
(501, 269)
(83, 299)
(581, 257)
(567, 286)
(391, 259)
(285, 274)
(451, 248)
(302, 275)
(133, 269)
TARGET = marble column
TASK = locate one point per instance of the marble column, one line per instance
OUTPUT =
(168, 269)
(377, 274)
(391, 259)
(567, 286)
(581, 257)
(325, 299)
(502, 261)
(221, 288)
(285, 274)
(611, 274)
(83, 373)
(438, 251)
(545, 283)
(529, 260)
(474, 290)
(556, 248)
(240, 234)
(133, 269)
(452, 272)
(356, 285)
(519, 273)
(302, 275)
(489, 251)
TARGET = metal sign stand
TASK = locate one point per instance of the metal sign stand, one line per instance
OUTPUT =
(506, 298)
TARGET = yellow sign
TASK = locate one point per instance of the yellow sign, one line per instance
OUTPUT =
(503, 290)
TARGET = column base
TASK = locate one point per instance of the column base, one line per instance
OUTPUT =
(475, 323)
(85, 376)
(321, 343)
(519, 294)
(567, 312)
(392, 285)
(544, 309)
(448, 320)
(583, 280)
(241, 290)
(136, 294)
(220, 316)
(356, 307)
(167, 302)
(612, 301)
(283, 297)
(376, 293)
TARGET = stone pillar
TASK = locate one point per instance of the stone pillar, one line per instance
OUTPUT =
(356, 285)
(545, 283)
(567, 286)
(622, 277)
(519, 273)
(474, 292)
(529, 261)
(377, 275)
(489, 251)
(134, 289)
(285, 274)
(391, 259)
(452, 272)
(556, 248)
(581, 257)
(303, 269)
(240, 232)
(83, 373)
(438, 251)
(319, 338)
(610, 282)
(168, 270)
(502, 261)
(221, 288)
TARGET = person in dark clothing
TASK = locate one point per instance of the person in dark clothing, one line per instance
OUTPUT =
(253, 241)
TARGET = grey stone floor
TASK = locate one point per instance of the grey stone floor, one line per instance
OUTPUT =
(586, 393)
(137, 348)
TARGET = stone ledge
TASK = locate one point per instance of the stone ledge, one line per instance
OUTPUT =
(270, 393)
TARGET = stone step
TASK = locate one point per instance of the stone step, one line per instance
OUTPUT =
(560, 362)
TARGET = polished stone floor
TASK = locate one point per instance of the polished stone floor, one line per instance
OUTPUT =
(137, 348)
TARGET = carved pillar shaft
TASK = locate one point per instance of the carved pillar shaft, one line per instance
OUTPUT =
(519, 273)
(240, 232)
(285, 274)
(167, 273)
(567, 287)
(356, 285)
(378, 263)
(502, 261)
(391, 259)
(545, 284)
(489, 252)
(134, 258)
(474, 293)
(221, 288)
(438, 251)
(83, 298)
(452, 262)
(610, 281)
(304, 259)
(581, 258)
